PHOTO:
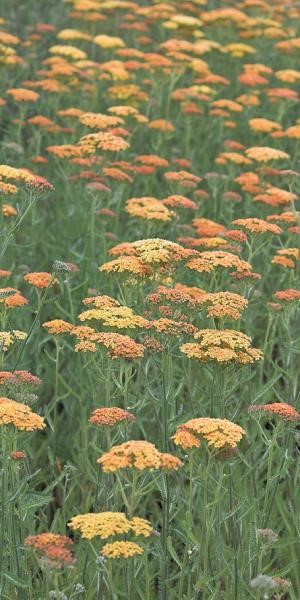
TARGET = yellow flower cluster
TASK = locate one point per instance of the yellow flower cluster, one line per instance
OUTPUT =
(219, 433)
(224, 346)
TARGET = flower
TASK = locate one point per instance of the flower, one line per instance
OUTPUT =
(125, 264)
(119, 346)
(19, 415)
(121, 550)
(289, 295)
(139, 455)
(255, 225)
(284, 411)
(265, 154)
(110, 416)
(13, 299)
(287, 257)
(7, 338)
(58, 326)
(53, 547)
(121, 317)
(18, 455)
(107, 524)
(219, 433)
(222, 345)
(148, 208)
(19, 378)
(207, 261)
(23, 95)
(40, 280)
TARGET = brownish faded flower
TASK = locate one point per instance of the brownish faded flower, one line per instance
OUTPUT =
(148, 208)
(140, 455)
(152, 344)
(110, 416)
(58, 326)
(40, 280)
(19, 415)
(19, 378)
(207, 262)
(219, 433)
(255, 225)
(177, 201)
(18, 455)
(284, 411)
(223, 345)
(171, 327)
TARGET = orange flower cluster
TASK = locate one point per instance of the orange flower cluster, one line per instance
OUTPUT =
(54, 548)
(139, 455)
(19, 415)
(40, 280)
(219, 433)
(110, 416)
(207, 262)
(257, 225)
(284, 411)
(12, 298)
(287, 257)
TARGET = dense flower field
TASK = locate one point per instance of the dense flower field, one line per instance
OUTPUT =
(149, 299)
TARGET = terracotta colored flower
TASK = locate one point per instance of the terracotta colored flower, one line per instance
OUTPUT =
(284, 411)
(40, 280)
(110, 416)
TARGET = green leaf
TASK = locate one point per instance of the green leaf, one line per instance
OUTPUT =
(35, 500)
(16, 581)
(173, 552)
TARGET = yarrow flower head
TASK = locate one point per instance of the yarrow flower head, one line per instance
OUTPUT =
(19, 415)
(282, 410)
(223, 345)
(110, 416)
(107, 524)
(122, 549)
(139, 455)
(219, 433)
